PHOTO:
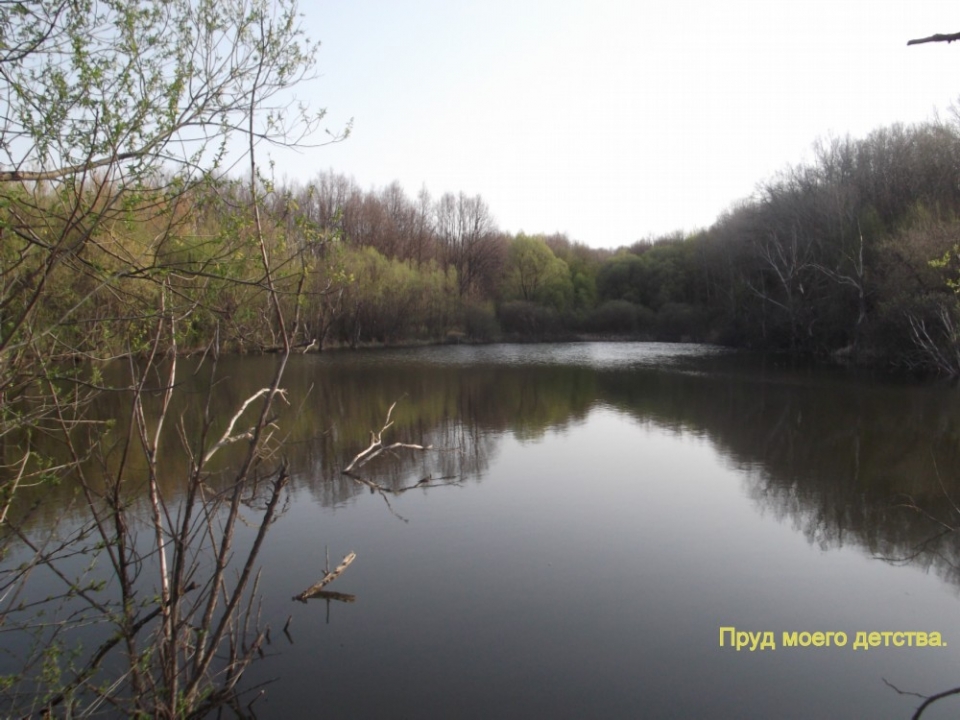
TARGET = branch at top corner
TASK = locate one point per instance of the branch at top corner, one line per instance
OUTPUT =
(935, 38)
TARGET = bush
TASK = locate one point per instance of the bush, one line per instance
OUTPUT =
(480, 323)
(614, 316)
(679, 321)
(622, 317)
(529, 320)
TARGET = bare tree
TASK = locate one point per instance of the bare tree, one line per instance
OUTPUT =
(785, 259)
(468, 239)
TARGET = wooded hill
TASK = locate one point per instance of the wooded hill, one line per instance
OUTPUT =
(850, 255)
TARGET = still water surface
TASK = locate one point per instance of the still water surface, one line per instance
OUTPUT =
(607, 509)
(617, 504)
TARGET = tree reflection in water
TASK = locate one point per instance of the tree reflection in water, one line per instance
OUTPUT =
(846, 461)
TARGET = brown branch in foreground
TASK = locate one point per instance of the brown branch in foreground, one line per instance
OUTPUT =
(98, 657)
(249, 434)
(935, 38)
(315, 589)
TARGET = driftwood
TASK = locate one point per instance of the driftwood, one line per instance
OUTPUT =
(935, 38)
(377, 447)
(316, 589)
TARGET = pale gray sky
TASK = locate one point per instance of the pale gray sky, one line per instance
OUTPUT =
(612, 120)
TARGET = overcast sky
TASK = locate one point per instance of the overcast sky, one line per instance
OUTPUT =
(612, 120)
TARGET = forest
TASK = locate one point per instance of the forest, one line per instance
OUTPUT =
(850, 256)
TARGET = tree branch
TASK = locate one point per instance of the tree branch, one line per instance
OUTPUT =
(328, 578)
(377, 446)
(935, 38)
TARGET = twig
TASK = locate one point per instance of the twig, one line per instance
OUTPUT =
(95, 661)
(227, 438)
(939, 37)
(902, 692)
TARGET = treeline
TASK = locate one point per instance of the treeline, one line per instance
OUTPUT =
(849, 255)
(852, 254)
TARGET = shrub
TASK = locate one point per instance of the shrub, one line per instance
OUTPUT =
(528, 320)
(480, 322)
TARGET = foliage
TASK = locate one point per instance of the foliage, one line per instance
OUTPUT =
(523, 319)
(123, 236)
(831, 257)
(393, 300)
(480, 322)
(534, 274)
(622, 317)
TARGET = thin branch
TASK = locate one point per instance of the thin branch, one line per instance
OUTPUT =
(932, 699)
(227, 438)
(935, 38)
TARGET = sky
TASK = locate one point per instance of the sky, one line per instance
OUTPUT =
(611, 120)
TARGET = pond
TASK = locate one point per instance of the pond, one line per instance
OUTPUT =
(588, 521)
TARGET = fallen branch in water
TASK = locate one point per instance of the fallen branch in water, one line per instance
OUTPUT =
(377, 446)
(315, 589)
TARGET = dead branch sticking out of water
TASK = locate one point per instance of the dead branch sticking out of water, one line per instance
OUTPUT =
(316, 589)
(377, 447)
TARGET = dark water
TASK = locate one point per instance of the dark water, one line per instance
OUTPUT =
(604, 510)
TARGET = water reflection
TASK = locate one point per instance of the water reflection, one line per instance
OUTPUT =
(837, 456)
(593, 539)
